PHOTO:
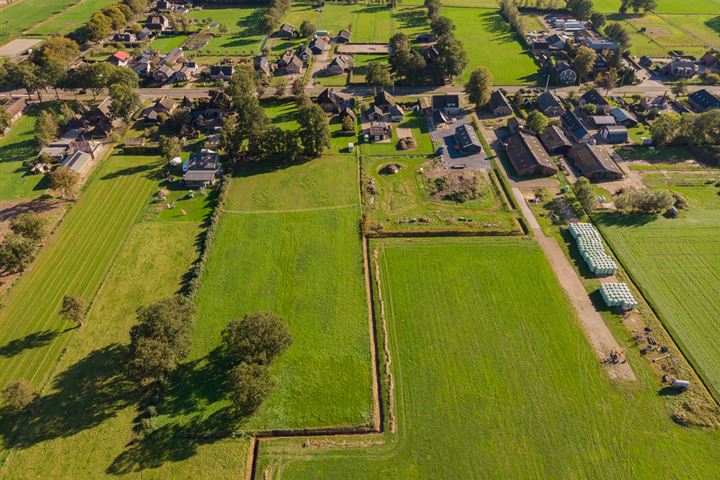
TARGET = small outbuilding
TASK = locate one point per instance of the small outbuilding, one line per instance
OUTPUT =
(614, 134)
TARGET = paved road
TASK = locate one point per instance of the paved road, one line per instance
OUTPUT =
(646, 88)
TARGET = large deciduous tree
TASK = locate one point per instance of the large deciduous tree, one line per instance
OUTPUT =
(256, 338)
(314, 130)
(479, 87)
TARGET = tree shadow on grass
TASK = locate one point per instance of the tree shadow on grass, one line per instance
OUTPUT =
(150, 171)
(411, 18)
(28, 342)
(714, 23)
(86, 394)
(624, 220)
(196, 384)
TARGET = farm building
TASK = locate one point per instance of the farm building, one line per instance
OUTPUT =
(175, 55)
(333, 102)
(623, 117)
(565, 73)
(549, 105)
(124, 37)
(318, 46)
(163, 74)
(528, 156)
(221, 72)
(448, 104)
(186, 72)
(261, 64)
(555, 140)
(339, 65)
(15, 108)
(78, 162)
(600, 121)
(163, 106)
(467, 139)
(380, 131)
(499, 104)
(203, 169)
(343, 36)
(573, 125)
(614, 133)
(599, 44)
(703, 100)
(681, 68)
(286, 31)
(594, 162)
(645, 62)
(593, 97)
(158, 23)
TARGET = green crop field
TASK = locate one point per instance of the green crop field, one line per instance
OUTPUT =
(165, 43)
(489, 42)
(74, 263)
(491, 387)
(244, 35)
(16, 147)
(405, 195)
(23, 14)
(676, 263)
(288, 243)
(72, 18)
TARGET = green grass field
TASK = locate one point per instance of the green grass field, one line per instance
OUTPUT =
(676, 263)
(418, 126)
(243, 37)
(693, 34)
(288, 243)
(16, 147)
(404, 195)
(74, 263)
(165, 43)
(23, 14)
(681, 7)
(491, 387)
(71, 19)
(489, 42)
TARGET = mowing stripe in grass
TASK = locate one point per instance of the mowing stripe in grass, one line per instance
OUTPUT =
(74, 263)
(297, 210)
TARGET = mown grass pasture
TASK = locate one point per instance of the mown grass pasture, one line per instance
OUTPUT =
(408, 194)
(489, 42)
(21, 15)
(681, 7)
(74, 263)
(289, 243)
(540, 408)
(243, 36)
(165, 43)
(676, 264)
(70, 19)
(16, 147)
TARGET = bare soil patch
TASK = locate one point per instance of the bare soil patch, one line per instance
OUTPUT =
(363, 48)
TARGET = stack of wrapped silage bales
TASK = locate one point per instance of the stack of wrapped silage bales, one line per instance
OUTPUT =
(618, 295)
(591, 248)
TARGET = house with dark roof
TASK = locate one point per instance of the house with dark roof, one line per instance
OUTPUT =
(318, 46)
(595, 98)
(286, 31)
(203, 169)
(221, 72)
(261, 64)
(163, 74)
(448, 104)
(681, 68)
(467, 138)
(295, 65)
(574, 127)
(549, 105)
(565, 73)
(379, 131)
(645, 62)
(527, 155)
(339, 65)
(175, 55)
(157, 23)
(343, 36)
(426, 38)
(703, 100)
(499, 105)
(711, 58)
(600, 121)
(145, 34)
(164, 106)
(430, 53)
(15, 108)
(654, 103)
(556, 42)
(555, 141)
(624, 117)
(594, 162)
(186, 73)
(78, 162)
(599, 44)
(303, 52)
(285, 59)
(384, 99)
(614, 134)
(333, 102)
(124, 37)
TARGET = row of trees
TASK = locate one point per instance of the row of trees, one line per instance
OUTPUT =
(248, 133)
(638, 6)
(687, 129)
(272, 17)
(113, 18)
(509, 10)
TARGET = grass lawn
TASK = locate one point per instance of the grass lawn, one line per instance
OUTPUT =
(489, 42)
(368, 23)
(165, 43)
(244, 35)
(74, 263)
(676, 263)
(360, 64)
(491, 387)
(72, 18)
(288, 243)
(682, 7)
(16, 147)
(417, 124)
(405, 195)
(282, 113)
(23, 14)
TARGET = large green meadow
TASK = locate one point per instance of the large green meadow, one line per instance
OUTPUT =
(676, 264)
(72, 18)
(494, 378)
(16, 147)
(288, 243)
(23, 14)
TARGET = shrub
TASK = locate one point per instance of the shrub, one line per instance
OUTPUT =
(257, 338)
